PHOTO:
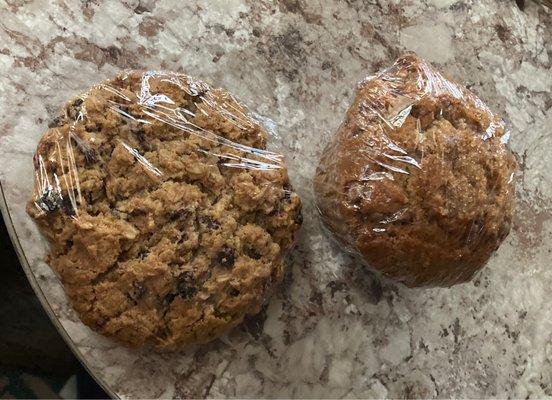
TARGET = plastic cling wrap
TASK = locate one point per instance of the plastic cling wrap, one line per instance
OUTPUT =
(168, 218)
(418, 180)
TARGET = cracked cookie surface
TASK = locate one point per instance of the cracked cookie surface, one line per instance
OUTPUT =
(168, 219)
(425, 200)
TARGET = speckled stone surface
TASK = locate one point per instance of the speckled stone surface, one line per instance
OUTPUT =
(333, 330)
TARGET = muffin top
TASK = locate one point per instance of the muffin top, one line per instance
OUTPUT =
(418, 180)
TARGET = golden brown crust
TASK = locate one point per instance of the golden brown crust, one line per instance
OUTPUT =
(426, 202)
(165, 228)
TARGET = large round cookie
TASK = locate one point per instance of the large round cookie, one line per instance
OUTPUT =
(418, 180)
(168, 218)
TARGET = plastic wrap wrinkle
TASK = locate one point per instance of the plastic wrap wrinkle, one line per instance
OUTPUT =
(162, 108)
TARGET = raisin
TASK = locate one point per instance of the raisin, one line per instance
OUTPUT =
(138, 291)
(210, 222)
(163, 332)
(140, 133)
(185, 290)
(49, 200)
(90, 155)
(168, 299)
(142, 290)
(89, 197)
(185, 287)
(143, 254)
(51, 166)
(287, 196)
(179, 215)
(93, 127)
(67, 206)
(74, 109)
(221, 163)
(226, 257)
(252, 253)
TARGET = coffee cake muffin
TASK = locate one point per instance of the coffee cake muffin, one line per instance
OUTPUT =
(418, 180)
(168, 219)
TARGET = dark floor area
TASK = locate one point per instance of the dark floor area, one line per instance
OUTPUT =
(35, 362)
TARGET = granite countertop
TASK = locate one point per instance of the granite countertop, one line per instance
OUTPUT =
(333, 330)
